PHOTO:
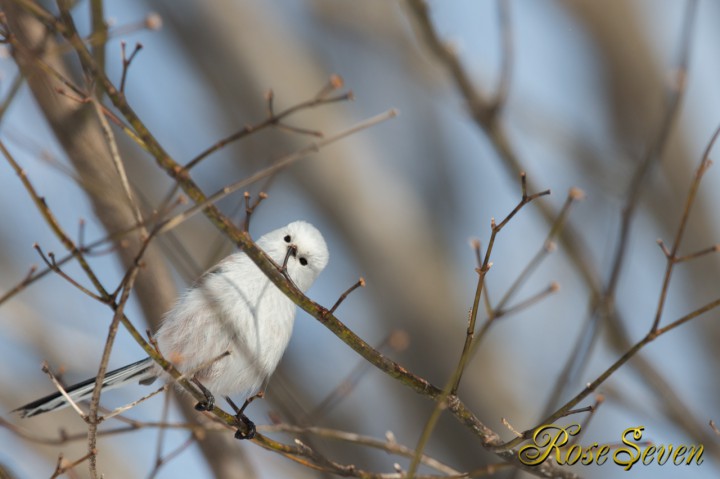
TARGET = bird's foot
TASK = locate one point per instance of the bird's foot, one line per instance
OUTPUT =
(207, 405)
(246, 428)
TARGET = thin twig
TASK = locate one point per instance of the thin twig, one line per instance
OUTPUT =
(46, 369)
(510, 427)
(697, 254)
(126, 61)
(92, 419)
(122, 409)
(117, 162)
(599, 399)
(389, 445)
(171, 223)
(250, 207)
(705, 164)
(552, 288)
(162, 432)
(52, 221)
(65, 438)
(360, 284)
(270, 121)
(482, 271)
(282, 163)
(192, 439)
(81, 234)
(63, 467)
(450, 389)
(52, 264)
(574, 195)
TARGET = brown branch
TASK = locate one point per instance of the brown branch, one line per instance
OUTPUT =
(671, 255)
(389, 445)
(117, 411)
(119, 307)
(599, 399)
(85, 249)
(163, 432)
(655, 151)
(126, 61)
(482, 272)
(51, 264)
(206, 203)
(34, 274)
(65, 438)
(161, 461)
(698, 254)
(50, 219)
(526, 303)
(173, 222)
(453, 383)
(118, 164)
(574, 195)
(250, 207)
(46, 369)
(284, 126)
(360, 284)
(62, 466)
(271, 120)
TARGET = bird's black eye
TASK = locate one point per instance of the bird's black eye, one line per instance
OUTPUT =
(303, 261)
(287, 238)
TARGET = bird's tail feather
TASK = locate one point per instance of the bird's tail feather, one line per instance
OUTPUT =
(141, 371)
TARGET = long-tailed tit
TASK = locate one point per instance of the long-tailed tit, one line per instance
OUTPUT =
(232, 308)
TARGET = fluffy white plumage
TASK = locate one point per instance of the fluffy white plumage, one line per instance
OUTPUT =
(233, 307)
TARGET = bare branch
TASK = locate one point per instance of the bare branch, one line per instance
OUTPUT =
(360, 284)
(126, 61)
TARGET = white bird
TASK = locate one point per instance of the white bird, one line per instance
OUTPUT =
(232, 308)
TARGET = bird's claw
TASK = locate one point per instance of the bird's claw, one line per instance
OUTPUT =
(207, 405)
(245, 423)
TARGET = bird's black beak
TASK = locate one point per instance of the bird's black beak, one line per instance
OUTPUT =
(291, 251)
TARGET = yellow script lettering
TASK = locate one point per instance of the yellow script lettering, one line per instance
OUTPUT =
(619, 455)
